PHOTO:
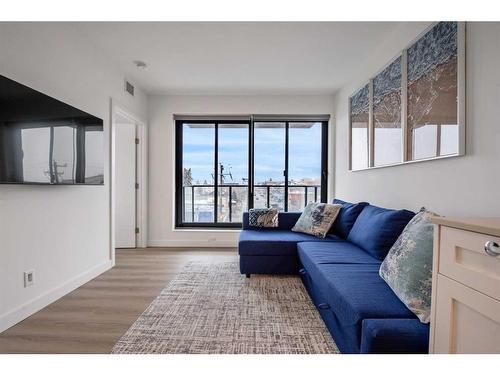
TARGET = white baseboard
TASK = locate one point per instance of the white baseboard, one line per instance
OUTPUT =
(191, 243)
(20, 313)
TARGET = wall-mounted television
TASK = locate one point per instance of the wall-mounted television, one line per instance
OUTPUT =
(45, 141)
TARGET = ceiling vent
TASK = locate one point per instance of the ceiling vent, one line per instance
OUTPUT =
(129, 88)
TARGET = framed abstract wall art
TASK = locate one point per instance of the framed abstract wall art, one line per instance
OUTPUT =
(413, 109)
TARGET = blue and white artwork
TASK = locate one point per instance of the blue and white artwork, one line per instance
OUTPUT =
(433, 93)
(387, 81)
(387, 114)
(431, 105)
(360, 104)
(360, 101)
(436, 47)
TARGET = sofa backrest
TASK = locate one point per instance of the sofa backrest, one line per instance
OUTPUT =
(376, 229)
(346, 217)
(286, 221)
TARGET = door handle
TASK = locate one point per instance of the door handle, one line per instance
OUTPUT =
(492, 249)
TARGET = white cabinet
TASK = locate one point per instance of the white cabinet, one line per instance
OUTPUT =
(465, 315)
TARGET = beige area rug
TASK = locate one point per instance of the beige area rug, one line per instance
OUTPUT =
(211, 308)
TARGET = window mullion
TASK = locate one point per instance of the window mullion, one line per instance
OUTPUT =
(287, 127)
(250, 177)
(324, 162)
(216, 172)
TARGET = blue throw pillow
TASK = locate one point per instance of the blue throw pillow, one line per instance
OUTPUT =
(346, 217)
(377, 228)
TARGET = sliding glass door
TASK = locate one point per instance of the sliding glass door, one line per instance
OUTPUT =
(198, 144)
(224, 167)
(304, 164)
(232, 172)
(212, 168)
(269, 150)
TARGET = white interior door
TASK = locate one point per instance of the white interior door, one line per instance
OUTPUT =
(125, 180)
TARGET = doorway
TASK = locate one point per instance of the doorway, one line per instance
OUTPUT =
(129, 180)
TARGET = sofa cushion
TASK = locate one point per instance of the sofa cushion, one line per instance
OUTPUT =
(275, 242)
(340, 252)
(346, 217)
(358, 292)
(352, 293)
(376, 229)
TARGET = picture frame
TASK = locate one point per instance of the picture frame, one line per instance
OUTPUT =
(441, 46)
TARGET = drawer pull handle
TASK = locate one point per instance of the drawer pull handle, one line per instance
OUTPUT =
(323, 306)
(491, 248)
(302, 271)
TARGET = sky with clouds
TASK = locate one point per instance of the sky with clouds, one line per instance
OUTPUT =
(304, 155)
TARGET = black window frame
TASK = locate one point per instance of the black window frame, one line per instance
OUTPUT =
(179, 189)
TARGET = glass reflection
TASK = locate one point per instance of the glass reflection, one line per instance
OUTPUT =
(432, 93)
(359, 129)
(387, 115)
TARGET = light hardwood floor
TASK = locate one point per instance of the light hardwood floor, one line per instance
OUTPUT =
(93, 317)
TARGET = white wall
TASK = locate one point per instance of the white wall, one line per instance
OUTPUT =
(465, 186)
(162, 151)
(60, 232)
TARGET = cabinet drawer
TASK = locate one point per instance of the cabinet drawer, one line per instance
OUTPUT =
(466, 321)
(462, 258)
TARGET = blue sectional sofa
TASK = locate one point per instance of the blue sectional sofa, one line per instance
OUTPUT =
(341, 274)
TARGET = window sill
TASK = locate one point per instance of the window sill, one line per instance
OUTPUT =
(206, 230)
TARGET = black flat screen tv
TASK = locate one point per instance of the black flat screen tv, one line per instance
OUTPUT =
(45, 141)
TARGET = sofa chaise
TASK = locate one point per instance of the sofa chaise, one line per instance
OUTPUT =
(341, 274)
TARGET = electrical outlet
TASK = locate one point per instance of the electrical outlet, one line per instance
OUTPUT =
(29, 278)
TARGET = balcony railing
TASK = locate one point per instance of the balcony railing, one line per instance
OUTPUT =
(193, 202)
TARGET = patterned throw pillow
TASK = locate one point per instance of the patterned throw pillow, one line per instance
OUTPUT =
(263, 217)
(407, 269)
(317, 219)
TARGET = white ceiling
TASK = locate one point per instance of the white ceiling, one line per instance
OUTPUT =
(239, 57)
